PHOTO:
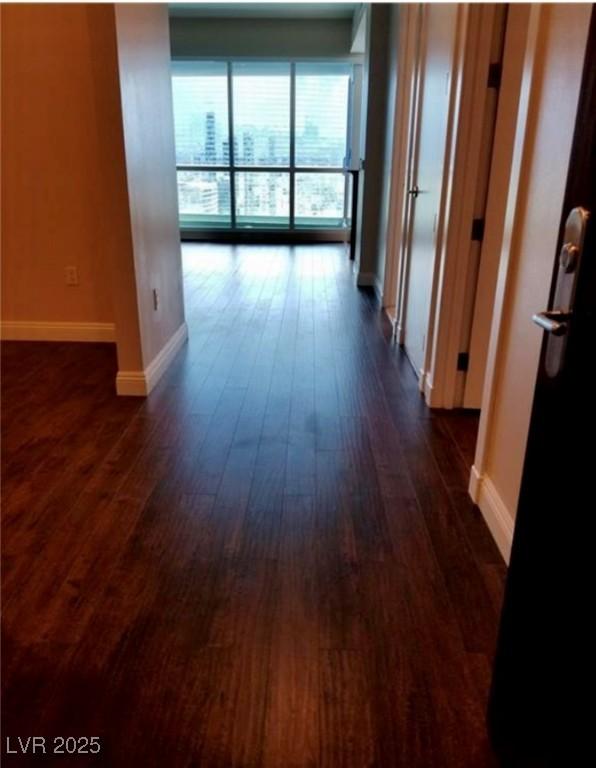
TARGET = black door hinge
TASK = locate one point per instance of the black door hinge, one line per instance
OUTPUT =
(494, 75)
(463, 360)
(477, 229)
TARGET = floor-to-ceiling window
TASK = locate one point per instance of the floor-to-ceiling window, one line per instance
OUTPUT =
(262, 145)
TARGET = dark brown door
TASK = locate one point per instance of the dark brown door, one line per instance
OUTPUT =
(541, 705)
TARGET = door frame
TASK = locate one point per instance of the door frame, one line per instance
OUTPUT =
(462, 166)
(467, 84)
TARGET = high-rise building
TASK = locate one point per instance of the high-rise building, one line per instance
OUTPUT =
(271, 143)
(272, 195)
(210, 140)
(248, 149)
(251, 199)
(223, 194)
(225, 151)
(198, 195)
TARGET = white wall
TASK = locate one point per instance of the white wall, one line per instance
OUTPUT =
(388, 154)
(376, 102)
(555, 48)
(148, 124)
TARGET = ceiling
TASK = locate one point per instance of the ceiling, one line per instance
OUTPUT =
(265, 10)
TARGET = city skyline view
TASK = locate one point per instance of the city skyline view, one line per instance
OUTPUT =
(261, 128)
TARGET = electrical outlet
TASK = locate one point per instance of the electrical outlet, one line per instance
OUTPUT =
(72, 275)
(155, 299)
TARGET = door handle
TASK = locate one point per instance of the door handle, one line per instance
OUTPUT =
(553, 321)
(415, 191)
(556, 321)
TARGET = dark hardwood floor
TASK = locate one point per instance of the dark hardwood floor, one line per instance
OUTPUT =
(271, 561)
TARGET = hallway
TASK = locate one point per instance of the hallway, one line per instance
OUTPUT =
(271, 561)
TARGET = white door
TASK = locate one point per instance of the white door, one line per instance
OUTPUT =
(438, 40)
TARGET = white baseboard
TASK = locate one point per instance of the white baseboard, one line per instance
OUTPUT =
(474, 485)
(498, 518)
(161, 362)
(400, 333)
(370, 280)
(390, 315)
(131, 383)
(31, 330)
(421, 380)
(429, 392)
(140, 383)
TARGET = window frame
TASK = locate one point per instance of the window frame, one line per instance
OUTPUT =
(232, 168)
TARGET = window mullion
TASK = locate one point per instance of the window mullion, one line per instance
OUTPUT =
(231, 152)
(348, 157)
(292, 141)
